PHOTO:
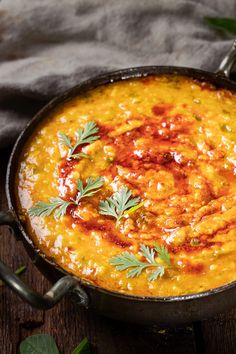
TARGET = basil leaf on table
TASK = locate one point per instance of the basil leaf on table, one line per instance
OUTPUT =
(39, 344)
(226, 24)
(83, 347)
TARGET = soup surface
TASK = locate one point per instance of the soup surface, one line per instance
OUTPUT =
(162, 150)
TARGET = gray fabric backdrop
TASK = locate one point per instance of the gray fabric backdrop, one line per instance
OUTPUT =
(47, 46)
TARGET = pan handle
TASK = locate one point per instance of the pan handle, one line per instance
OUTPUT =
(228, 62)
(43, 302)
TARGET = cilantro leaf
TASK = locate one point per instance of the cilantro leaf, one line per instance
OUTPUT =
(118, 203)
(129, 261)
(85, 135)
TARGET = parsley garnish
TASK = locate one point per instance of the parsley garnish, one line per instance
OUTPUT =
(58, 206)
(85, 135)
(118, 203)
(128, 260)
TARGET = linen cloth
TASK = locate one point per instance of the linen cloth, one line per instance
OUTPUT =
(47, 46)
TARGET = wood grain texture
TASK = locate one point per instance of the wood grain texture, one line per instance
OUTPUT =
(69, 324)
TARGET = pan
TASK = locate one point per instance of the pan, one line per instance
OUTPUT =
(166, 311)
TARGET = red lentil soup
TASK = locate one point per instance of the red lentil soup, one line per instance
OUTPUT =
(147, 206)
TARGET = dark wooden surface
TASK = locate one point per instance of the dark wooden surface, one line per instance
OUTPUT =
(69, 324)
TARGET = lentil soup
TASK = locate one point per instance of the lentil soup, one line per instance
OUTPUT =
(136, 185)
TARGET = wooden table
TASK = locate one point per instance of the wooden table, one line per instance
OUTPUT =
(68, 324)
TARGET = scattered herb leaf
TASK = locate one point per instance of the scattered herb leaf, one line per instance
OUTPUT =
(83, 347)
(226, 24)
(59, 206)
(38, 344)
(45, 344)
(127, 260)
(118, 203)
(18, 271)
(86, 135)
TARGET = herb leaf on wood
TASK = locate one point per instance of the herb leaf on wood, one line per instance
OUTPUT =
(18, 271)
(38, 344)
(82, 348)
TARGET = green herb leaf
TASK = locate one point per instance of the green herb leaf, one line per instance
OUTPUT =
(163, 254)
(83, 347)
(42, 209)
(92, 187)
(134, 208)
(226, 24)
(148, 253)
(85, 135)
(61, 210)
(39, 344)
(18, 271)
(65, 140)
(59, 206)
(79, 155)
(129, 261)
(156, 273)
(118, 203)
(45, 209)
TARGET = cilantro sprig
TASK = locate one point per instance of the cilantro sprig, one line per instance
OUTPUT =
(92, 187)
(58, 206)
(86, 135)
(119, 203)
(129, 261)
